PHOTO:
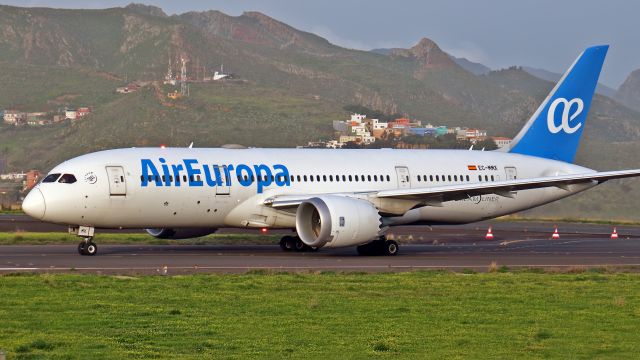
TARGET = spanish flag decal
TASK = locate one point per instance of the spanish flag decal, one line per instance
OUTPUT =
(472, 167)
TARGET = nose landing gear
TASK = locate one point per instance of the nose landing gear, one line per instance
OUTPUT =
(86, 246)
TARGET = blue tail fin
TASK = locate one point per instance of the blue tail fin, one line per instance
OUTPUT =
(554, 130)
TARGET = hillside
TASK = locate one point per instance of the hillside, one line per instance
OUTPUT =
(629, 92)
(294, 84)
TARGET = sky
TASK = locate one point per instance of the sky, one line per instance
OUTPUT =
(547, 34)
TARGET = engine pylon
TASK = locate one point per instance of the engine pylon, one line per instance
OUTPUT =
(555, 235)
(489, 235)
(614, 234)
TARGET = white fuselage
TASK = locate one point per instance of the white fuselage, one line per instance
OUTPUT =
(114, 189)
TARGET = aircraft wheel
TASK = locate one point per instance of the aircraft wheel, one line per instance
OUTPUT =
(390, 248)
(366, 249)
(287, 243)
(299, 245)
(81, 247)
(87, 247)
(91, 248)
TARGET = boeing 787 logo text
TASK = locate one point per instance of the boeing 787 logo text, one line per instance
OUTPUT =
(567, 116)
(191, 173)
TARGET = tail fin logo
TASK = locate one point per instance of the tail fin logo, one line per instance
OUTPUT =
(576, 104)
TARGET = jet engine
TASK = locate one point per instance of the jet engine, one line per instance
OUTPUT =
(181, 233)
(337, 221)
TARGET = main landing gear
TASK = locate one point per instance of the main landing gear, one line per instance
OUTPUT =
(87, 246)
(293, 243)
(381, 246)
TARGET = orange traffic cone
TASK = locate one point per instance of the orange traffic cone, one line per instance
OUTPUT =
(555, 235)
(489, 235)
(614, 234)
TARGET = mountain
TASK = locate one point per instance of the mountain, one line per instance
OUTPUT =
(554, 77)
(291, 85)
(629, 92)
(472, 67)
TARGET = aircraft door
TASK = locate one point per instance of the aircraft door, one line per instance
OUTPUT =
(511, 172)
(223, 189)
(404, 179)
(117, 183)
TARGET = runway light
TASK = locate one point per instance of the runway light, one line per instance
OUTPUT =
(163, 146)
(264, 230)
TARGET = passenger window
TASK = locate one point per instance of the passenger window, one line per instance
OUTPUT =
(184, 178)
(350, 178)
(324, 178)
(455, 177)
(369, 178)
(356, 176)
(305, 178)
(331, 178)
(51, 178)
(298, 177)
(67, 179)
(431, 178)
(388, 178)
(492, 178)
(375, 178)
(318, 178)
(311, 178)
(479, 177)
(468, 178)
(344, 178)
(449, 177)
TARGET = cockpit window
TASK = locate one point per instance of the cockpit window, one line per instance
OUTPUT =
(67, 179)
(51, 178)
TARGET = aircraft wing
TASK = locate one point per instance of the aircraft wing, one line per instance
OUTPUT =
(503, 188)
(437, 194)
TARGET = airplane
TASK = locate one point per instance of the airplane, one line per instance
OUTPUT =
(331, 198)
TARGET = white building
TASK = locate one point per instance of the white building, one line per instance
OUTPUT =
(70, 114)
(14, 117)
(501, 142)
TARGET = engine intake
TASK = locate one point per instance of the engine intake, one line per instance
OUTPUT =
(337, 221)
(182, 233)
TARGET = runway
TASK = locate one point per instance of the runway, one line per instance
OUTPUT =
(516, 245)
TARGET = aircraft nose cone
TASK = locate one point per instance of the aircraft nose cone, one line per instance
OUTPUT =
(33, 205)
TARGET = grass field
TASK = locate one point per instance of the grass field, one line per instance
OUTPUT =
(34, 238)
(327, 315)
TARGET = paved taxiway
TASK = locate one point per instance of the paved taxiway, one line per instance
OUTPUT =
(516, 245)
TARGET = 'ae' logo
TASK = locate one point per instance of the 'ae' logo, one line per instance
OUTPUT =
(571, 109)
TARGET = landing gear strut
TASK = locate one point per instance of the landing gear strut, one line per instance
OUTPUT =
(294, 243)
(87, 247)
(381, 246)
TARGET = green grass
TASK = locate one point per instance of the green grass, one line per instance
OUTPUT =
(329, 316)
(33, 238)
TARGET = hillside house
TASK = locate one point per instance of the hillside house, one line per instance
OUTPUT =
(14, 117)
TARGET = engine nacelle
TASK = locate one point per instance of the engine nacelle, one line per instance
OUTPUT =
(337, 221)
(182, 233)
